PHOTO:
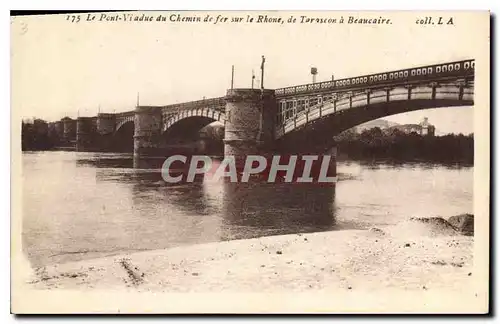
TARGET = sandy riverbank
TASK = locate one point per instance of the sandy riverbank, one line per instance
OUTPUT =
(409, 256)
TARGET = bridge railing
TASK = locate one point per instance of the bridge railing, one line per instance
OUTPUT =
(125, 114)
(465, 67)
(329, 104)
(218, 104)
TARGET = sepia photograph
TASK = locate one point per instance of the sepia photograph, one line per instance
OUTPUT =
(250, 162)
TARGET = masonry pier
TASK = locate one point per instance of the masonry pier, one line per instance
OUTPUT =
(249, 127)
(85, 133)
(147, 131)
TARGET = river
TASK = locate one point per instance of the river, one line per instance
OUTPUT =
(85, 205)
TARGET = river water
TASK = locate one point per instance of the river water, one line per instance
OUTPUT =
(85, 205)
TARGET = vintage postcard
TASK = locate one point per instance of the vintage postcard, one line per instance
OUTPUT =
(250, 162)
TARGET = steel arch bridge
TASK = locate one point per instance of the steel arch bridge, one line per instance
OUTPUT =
(309, 112)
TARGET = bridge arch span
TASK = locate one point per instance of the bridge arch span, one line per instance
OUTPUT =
(122, 121)
(122, 139)
(319, 123)
(191, 120)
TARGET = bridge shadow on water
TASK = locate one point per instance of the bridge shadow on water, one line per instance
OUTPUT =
(279, 208)
(238, 210)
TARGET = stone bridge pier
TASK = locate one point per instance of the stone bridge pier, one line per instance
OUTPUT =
(95, 133)
(85, 133)
(105, 128)
(249, 127)
(69, 130)
(105, 123)
(147, 132)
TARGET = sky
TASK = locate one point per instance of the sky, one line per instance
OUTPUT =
(59, 68)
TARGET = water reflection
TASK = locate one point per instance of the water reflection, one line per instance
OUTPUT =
(246, 209)
(104, 160)
(279, 208)
(187, 198)
(395, 164)
(84, 205)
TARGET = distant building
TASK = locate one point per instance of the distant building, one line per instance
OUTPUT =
(427, 128)
(423, 129)
(380, 123)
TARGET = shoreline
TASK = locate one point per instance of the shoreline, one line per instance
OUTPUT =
(409, 256)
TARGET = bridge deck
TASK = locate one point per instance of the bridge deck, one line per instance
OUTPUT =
(290, 98)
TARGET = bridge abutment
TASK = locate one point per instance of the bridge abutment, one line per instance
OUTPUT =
(250, 115)
(147, 130)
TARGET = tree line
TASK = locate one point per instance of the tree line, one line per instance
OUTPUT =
(374, 144)
(371, 144)
(35, 136)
